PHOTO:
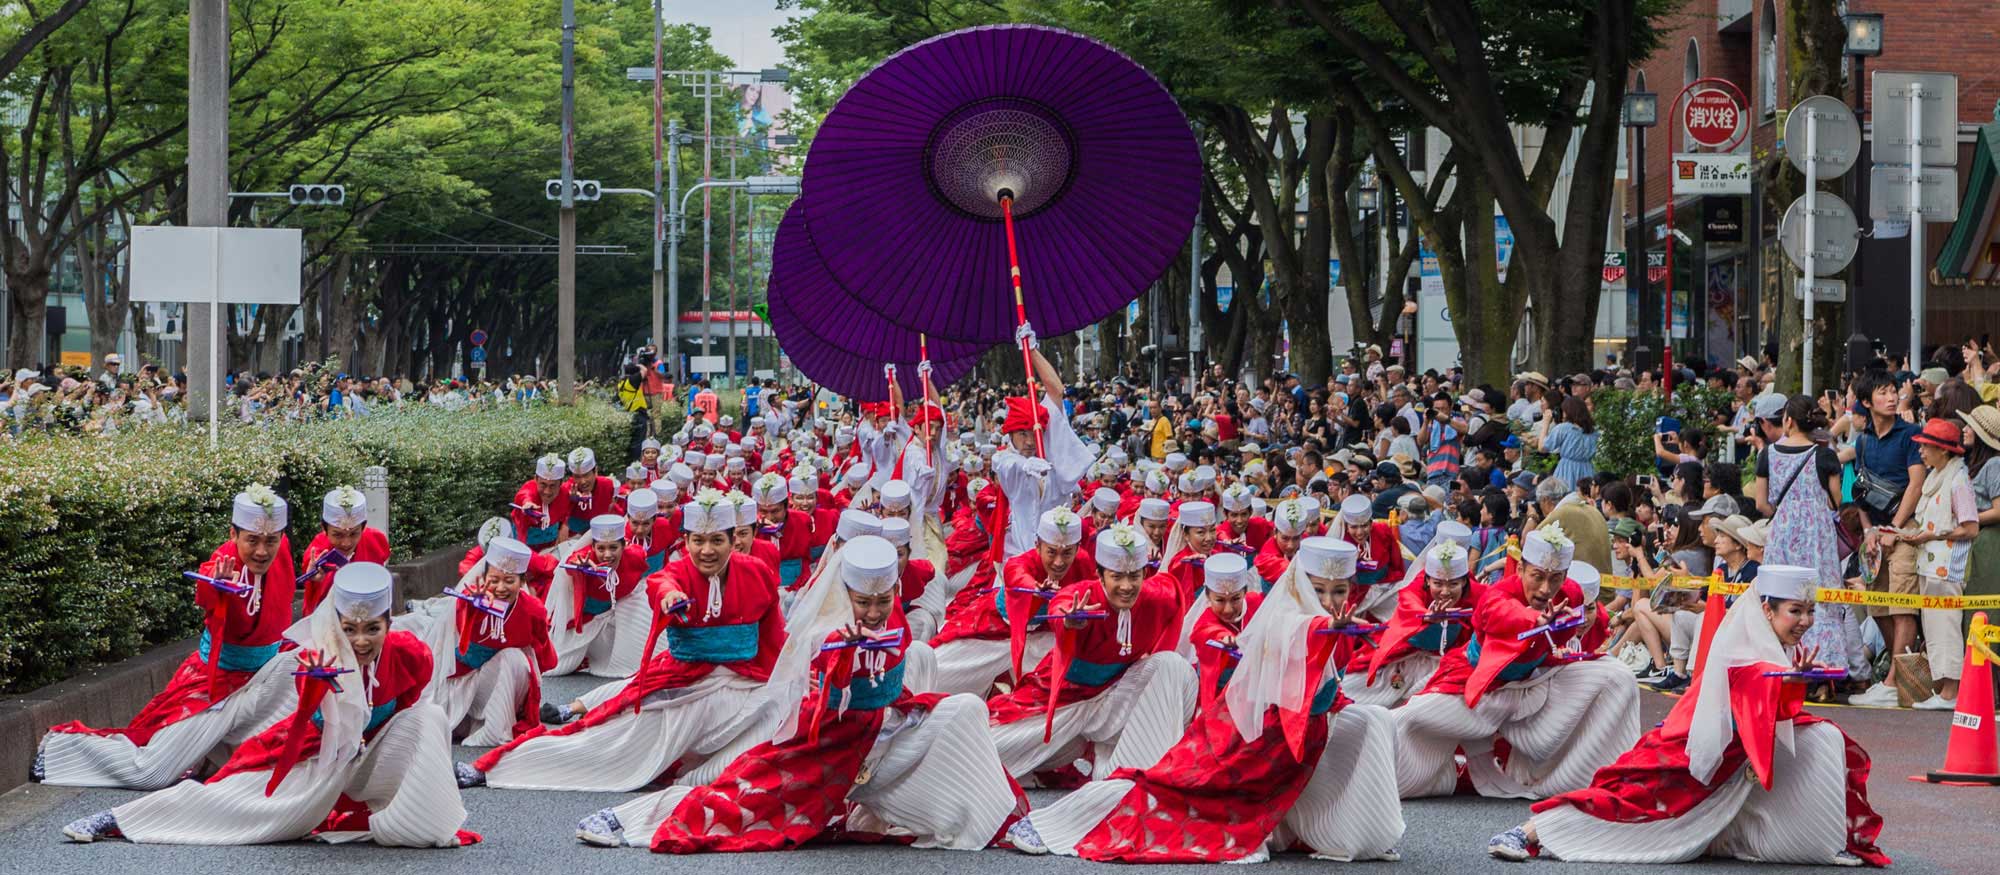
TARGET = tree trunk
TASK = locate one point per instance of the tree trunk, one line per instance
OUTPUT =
(27, 317)
(1814, 39)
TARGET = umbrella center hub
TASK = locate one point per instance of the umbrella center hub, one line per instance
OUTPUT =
(1000, 143)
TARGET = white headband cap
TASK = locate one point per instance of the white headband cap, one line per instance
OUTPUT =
(868, 565)
(1236, 497)
(551, 467)
(682, 473)
(1455, 532)
(607, 527)
(258, 509)
(770, 489)
(362, 590)
(344, 508)
(896, 530)
(649, 444)
(1204, 477)
(508, 555)
(1105, 500)
(635, 471)
(1445, 560)
(1330, 558)
(1197, 514)
(855, 523)
(735, 464)
(1587, 578)
(1295, 516)
(1156, 480)
(582, 460)
(1548, 548)
(803, 484)
(710, 512)
(1790, 582)
(1123, 549)
(1187, 483)
(1155, 509)
(667, 490)
(1177, 462)
(746, 509)
(1226, 572)
(642, 504)
(494, 527)
(855, 476)
(1059, 527)
(1356, 510)
(894, 495)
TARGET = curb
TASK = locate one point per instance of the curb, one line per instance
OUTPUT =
(109, 694)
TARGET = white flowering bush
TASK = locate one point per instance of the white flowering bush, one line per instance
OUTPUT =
(96, 531)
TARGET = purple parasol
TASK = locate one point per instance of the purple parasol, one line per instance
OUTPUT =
(905, 180)
(832, 312)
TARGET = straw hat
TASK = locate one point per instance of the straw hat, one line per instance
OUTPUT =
(1739, 528)
(1984, 421)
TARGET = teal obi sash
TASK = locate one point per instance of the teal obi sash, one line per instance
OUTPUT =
(1515, 671)
(1370, 578)
(1093, 674)
(1227, 673)
(736, 642)
(789, 570)
(816, 552)
(595, 607)
(1328, 692)
(239, 657)
(655, 562)
(1431, 637)
(476, 655)
(868, 694)
(376, 716)
(579, 524)
(542, 536)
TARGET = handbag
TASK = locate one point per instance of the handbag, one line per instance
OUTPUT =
(1873, 489)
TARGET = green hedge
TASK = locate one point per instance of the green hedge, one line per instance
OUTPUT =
(1625, 422)
(96, 532)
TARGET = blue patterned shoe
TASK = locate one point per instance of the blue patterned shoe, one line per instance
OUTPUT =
(89, 829)
(468, 776)
(40, 770)
(1511, 845)
(1023, 837)
(601, 829)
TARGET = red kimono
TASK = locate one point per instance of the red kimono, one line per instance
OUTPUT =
(1501, 613)
(1066, 675)
(212, 673)
(1214, 664)
(793, 538)
(545, 526)
(595, 595)
(917, 574)
(1381, 560)
(969, 540)
(526, 627)
(601, 499)
(1186, 571)
(1408, 633)
(541, 570)
(656, 538)
(374, 547)
(1252, 538)
(749, 607)
(984, 615)
(1270, 562)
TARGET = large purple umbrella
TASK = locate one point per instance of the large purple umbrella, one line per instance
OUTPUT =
(832, 312)
(907, 176)
(829, 363)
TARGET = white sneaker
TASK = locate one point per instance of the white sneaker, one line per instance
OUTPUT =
(1878, 696)
(1937, 703)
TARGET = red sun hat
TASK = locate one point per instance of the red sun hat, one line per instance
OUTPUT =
(1943, 434)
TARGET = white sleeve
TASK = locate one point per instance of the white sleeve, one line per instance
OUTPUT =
(1066, 453)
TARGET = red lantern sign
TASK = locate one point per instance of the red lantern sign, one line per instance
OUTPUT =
(1712, 118)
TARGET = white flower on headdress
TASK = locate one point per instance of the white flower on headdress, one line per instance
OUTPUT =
(348, 496)
(710, 498)
(1062, 518)
(261, 495)
(1129, 539)
(549, 460)
(1236, 490)
(769, 482)
(1448, 551)
(1555, 536)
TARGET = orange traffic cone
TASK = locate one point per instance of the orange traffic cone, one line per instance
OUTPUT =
(1972, 752)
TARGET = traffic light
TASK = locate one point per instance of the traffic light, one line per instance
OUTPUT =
(582, 189)
(317, 195)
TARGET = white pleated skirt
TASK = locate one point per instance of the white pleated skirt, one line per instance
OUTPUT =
(1394, 684)
(1132, 723)
(971, 665)
(702, 726)
(483, 701)
(1563, 724)
(73, 759)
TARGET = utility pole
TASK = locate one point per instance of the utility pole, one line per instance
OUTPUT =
(566, 225)
(735, 147)
(208, 184)
(707, 202)
(659, 205)
(671, 347)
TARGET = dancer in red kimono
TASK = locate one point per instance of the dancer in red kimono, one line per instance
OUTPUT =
(1738, 770)
(1433, 617)
(541, 572)
(1112, 683)
(805, 492)
(994, 634)
(1562, 714)
(858, 753)
(921, 587)
(344, 536)
(788, 529)
(654, 533)
(597, 622)
(1101, 513)
(1242, 530)
(363, 755)
(540, 510)
(1228, 601)
(1293, 521)
(489, 652)
(698, 704)
(1288, 763)
(222, 693)
(1188, 546)
(589, 493)
(1155, 519)
(1381, 556)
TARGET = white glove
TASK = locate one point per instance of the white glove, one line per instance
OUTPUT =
(889, 370)
(924, 369)
(1039, 467)
(1024, 336)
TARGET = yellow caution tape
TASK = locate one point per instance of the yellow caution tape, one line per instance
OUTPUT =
(1714, 583)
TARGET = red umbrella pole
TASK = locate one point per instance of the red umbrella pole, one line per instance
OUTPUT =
(1021, 313)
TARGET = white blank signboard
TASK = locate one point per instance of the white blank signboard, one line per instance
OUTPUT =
(257, 265)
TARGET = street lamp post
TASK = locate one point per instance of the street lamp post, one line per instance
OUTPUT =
(1864, 41)
(1642, 111)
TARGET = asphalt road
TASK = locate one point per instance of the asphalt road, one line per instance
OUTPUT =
(1929, 829)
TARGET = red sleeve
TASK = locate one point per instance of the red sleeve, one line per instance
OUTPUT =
(472, 558)
(374, 546)
(411, 666)
(631, 570)
(538, 615)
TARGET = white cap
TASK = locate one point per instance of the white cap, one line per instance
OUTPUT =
(718, 441)
(894, 495)
(258, 509)
(803, 484)
(1455, 532)
(1187, 484)
(855, 523)
(508, 555)
(1123, 549)
(1204, 477)
(494, 527)
(1790, 582)
(642, 504)
(696, 460)
(855, 476)
(649, 444)
(714, 462)
(732, 449)
(1236, 497)
(1356, 510)
(1156, 481)
(551, 467)
(976, 485)
(1548, 548)
(582, 460)
(671, 452)
(1116, 455)
(734, 463)
(710, 512)
(362, 590)
(746, 509)
(896, 530)
(1155, 509)
(1445, 560)
(1105, 500)
(1225, 572)
(344, 508)
(1059, 527)
(1197, 514)
(1259, 507)
(1177, 462)
(1587, 577)
(682, 473)
(608, 527)
(1295, 516)
(26, 374)
(868, 565)
(756, 422)
(1327, 557)
(667, 490)
(702, 430)
(770, 489)
(728, 420)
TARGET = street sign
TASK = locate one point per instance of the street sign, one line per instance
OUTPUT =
(1938, 134)
(478, 337)
(1825, 291)
(706, 365)
(228, 265)
(1837, 143)
(1712, 118)
(479, 355)
(1835, 233)
(1711, 173)
(1889, 192)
